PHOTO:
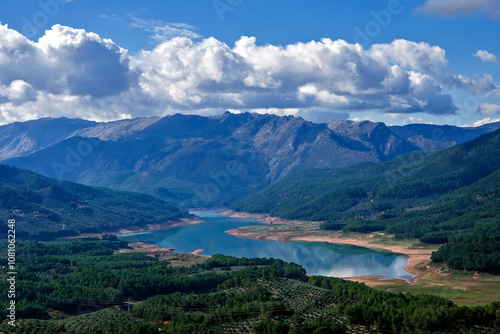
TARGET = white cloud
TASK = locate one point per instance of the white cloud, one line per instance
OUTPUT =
(363, 119)
(394, 116)
(18, 91)
(413, 120)
(163, 31)
(276, 111)
(460, 7)
(486, 57)
(70, 72)
(320, 74)
(483, 83)
(416, 120)
(482, 122)
(488, 109)
(64, 61)
(418, 56)
(495, 92)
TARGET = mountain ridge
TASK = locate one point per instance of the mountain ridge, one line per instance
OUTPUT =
(197, 161)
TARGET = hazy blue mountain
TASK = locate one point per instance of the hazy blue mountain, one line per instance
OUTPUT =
(430, 138)
(196, 161)
(23, 138)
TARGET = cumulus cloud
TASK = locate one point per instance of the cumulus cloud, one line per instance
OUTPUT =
(413, 120)
(486, 57)
(483, 83)
(317, 74)
(64, 61)
(419, 56)
(363, 119)
(68, 72)
(482, 122)
(460, 7)
(71, 72)
(18, 91)
(394, 116)
(488, 109)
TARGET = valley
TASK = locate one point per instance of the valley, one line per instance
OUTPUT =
(410, 218)
(317, 258)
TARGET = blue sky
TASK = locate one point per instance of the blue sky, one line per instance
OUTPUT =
(418, 61)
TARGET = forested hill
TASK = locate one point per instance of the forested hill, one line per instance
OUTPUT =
(224, 294)
(369, 189)
(45, 207)
(439, 197)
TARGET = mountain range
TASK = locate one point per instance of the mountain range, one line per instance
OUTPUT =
(195, 161)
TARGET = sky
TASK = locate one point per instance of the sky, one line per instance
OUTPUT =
(393, 61)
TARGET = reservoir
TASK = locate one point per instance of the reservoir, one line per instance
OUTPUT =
(318, 258)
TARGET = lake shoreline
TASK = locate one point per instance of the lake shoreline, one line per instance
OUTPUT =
(161, 226)
(416, 256)
(146, 228)
(464, 288)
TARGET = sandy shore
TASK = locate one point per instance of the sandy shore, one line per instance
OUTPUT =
(258, 216)
(165, 254)
(168, 224)
(146, 248)
(145, 228)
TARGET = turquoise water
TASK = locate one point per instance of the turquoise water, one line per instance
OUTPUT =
(318, 258)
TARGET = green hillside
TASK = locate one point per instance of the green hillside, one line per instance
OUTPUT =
(77, 286)
(45, 207)
(451, 196)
